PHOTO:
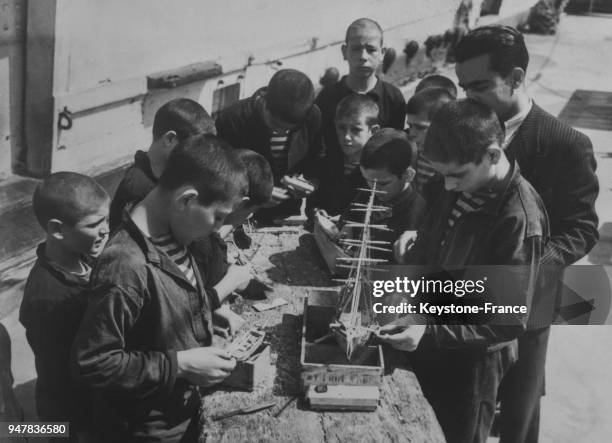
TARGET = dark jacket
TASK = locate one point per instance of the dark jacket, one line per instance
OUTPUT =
(510, 229)
(142, 311)
(559, 163)
(51, 311)
(243, 126)
(406, 213)
(336, 192)
(392, 114)
(137, 182)
(10, 409)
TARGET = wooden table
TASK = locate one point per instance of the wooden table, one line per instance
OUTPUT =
(288, 260)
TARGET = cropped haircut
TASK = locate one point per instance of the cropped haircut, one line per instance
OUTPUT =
(210, 165)
(356, 105)
(504, 44)
(259, 174)
(363, 22)
(437, 81)
(461, 131)
(185, 117)
(389, 149)
(290, 95)
(429, 101)
(68, 197)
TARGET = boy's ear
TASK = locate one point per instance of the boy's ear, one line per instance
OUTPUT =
(184, 197)
(170, 139)
(409, 174)
(343, 48)
(55, 229)
(494, 153)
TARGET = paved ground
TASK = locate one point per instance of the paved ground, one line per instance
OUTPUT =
(579, 400)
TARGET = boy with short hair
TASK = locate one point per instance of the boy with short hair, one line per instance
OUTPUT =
(356, 121)
(145, 342)
(173, 123)
(363, 50)
(437, 81)
(420, 110)
(73, 210)
(488, 215)
(281, 123)
(387, 161)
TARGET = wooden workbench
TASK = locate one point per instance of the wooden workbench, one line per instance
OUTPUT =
(289, 262)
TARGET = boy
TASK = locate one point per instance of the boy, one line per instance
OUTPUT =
(281, 123)
(356, 121)
(363, 50)
(487, 215)
(420, 109)
(173, 123)
(387, 160)
(73, 211)
(437, 81)
(145, 342)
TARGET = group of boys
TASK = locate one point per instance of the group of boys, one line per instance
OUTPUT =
(121, 328)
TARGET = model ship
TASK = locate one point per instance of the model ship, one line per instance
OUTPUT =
(355, 322)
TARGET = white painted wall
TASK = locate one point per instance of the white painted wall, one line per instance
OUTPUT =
(105, 49)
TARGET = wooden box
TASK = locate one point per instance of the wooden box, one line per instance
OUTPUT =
(329, 380)
(249, 373)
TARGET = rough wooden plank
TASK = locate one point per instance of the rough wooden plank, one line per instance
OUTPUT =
(290, 263)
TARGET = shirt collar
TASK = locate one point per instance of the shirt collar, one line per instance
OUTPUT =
(513, 123)
(376, 91)
(59, 272)
(496, 195)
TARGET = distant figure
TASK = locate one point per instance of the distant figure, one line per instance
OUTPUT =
(330, 77)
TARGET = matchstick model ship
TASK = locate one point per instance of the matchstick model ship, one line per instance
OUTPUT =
(341, 369)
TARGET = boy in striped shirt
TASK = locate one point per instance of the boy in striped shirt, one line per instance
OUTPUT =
(144, 345)
(282, 123)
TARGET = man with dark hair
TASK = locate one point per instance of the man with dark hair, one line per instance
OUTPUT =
(363, 51)
(437, 81)
(281, 123)
(144, 345)
(559, 162)
(487, 215)
(173, 123)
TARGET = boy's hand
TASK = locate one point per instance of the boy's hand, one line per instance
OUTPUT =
(327, 225)
(297, 186)
(403, 245)
(240, 276)
(228, 320)
(204, 366)
(404, 338)
(279, 195)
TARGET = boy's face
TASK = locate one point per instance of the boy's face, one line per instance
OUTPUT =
(277, 124)
(417, 125)
(363, 51)
(353, 132)
(486, 86)
(386, 181)
(468, 178)
(89, 234)
(190, 219)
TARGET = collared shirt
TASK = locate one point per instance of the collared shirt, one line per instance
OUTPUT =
(392, 112)
(515, 122)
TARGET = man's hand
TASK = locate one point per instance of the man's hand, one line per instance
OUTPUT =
(297, 186)
(404, 338)
(403, 245)
(327, 225)
(228, 320)
(204, 366)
